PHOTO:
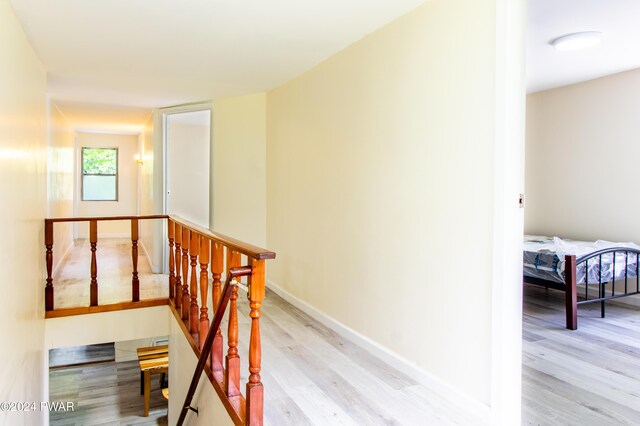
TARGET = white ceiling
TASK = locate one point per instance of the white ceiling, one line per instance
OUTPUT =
(110, 61)
(547, 67)
(144, 54)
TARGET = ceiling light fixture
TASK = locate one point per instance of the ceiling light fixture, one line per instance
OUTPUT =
(578, 41)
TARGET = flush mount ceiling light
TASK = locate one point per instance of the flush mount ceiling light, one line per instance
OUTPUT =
(578, 41)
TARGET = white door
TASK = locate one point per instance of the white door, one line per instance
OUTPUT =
(188, 144)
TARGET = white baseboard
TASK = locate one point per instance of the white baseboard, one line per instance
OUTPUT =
(466, 403)
(103, 236)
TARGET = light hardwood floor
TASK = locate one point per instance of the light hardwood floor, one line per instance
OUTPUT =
(590, 376)
(312, 376)
(64, 357)
(104, 394)
(71, 281)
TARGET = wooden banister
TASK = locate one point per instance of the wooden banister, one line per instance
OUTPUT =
(237, 245)
(224, 371)
(189, 245)
(93, 244)
(217, 319)
(104, 218)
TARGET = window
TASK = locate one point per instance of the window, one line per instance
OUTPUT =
(99, 174)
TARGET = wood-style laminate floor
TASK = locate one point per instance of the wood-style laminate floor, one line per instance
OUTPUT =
(312, 376)
(590, 376)
(63, 357)
(104, 394)
(114, 264)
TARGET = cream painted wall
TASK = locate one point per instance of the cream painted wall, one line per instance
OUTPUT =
(105, 327)
(239, 168)
(23, 185)
(581, 156)
(382, 191)
(127, 185)
(60, 175)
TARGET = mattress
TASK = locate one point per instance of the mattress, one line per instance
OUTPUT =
(543, 257)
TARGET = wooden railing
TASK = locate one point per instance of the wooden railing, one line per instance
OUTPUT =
(94, 305)
(190, 246)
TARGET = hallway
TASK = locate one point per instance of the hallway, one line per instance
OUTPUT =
(312, 376)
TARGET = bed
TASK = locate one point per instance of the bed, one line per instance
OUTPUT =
(588, 272)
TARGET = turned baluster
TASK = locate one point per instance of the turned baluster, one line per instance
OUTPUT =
(193, 306)
(178, 292)
(48, 243)
(232, 361)
(255, 390)
(217, 261)
(135, 282)
(172, 270)
(93, 241)
(204, 286)
(185, 274)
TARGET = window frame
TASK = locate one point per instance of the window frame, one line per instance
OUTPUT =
(83, 174)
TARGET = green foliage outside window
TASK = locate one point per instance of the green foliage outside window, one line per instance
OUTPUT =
(99, 161)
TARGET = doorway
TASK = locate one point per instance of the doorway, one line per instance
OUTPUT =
(187, 142)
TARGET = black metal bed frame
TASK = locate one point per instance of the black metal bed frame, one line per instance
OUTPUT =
(570, 286)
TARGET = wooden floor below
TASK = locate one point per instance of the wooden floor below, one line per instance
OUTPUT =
(590, 376)
(104, 394)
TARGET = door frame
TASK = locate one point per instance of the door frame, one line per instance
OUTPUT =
(163, 114)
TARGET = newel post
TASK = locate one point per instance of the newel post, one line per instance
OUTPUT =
(48, 243)
(255, 389)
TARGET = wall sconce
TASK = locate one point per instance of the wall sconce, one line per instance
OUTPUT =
(138, 160)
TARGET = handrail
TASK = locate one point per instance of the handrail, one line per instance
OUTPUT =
(190, 245)
(236, 245)
(93, 241)
(102, 218)
(206, 349)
